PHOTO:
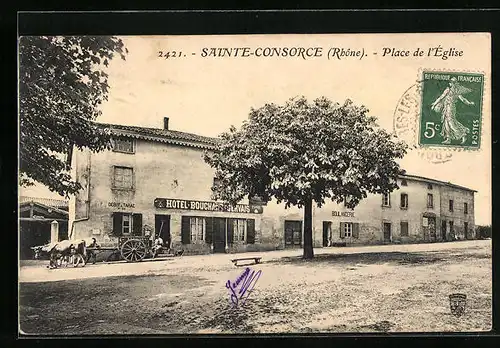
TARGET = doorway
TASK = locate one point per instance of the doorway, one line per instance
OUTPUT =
(293, 234)
(443, 229)
(219, 229)
(162, 229)
(387, 232)
(432, 228)
(327, 231)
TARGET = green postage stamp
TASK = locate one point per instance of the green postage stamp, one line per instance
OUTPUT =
(451, 109)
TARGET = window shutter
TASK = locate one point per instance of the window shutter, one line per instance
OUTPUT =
(355, 230)
(186, 230)
(117, 224)
(250, 231)
(137, 224)
(209, 230)
(230, 231)
(342, 224)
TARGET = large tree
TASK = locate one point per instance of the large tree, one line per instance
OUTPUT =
(300, 153)
(62, 82)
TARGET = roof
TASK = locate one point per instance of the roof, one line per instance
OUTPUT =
(437, 182)
(162, 135)
(203, 142)
(44, 206)
(53, 203)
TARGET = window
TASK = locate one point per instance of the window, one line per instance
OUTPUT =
(429, 186)
(430, 200)
(404, 201)
(256, 200)
(451, 205)
(347, 199)
(466, 208)
(123, 145)
(404, 183)
(197, 228)
(123, 177)
(386, 200)
(348, 229)
(126, 224)
(404, 228)
(239, 229)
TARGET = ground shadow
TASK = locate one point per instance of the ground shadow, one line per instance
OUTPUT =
(400, 258)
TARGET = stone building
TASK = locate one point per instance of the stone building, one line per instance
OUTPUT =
(156, 179)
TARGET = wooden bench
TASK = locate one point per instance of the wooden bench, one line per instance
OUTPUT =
(255, 259)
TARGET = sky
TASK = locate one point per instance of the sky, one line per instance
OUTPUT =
(206, 95)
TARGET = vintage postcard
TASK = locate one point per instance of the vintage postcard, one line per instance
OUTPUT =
(333, 183)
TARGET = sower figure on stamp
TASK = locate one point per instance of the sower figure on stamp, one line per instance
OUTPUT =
(452, 129)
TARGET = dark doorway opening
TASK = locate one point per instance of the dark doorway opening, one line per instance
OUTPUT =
(432, 228)
(33, 234)
(219, 235)
(162, 229)
(327, 232)
(387, 232)
(293, 234)
(443, 229)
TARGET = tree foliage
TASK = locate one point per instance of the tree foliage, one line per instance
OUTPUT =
(301, 152)
(62, 83)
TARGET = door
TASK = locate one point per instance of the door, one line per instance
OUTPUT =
(327, 230)
(443, 229)
(219, 235)
(432, 228)
(162, 229)
(293, 234)
(452, 232)
(387, 232)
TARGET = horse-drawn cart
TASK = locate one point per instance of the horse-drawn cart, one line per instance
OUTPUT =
(131, 249)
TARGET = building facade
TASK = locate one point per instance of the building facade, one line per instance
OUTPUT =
(157, 180)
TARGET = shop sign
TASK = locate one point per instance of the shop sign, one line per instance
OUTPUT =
(121, 205)
(168, 203)
(343, 213)
(425, 222)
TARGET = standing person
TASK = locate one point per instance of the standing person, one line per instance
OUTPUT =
(451, 128)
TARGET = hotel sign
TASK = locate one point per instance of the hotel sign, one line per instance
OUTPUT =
(168, 203)
(343, 213)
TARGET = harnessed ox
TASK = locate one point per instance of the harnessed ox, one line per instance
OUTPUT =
(68, 251)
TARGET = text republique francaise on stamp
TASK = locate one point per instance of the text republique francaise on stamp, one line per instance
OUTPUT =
(451, 109)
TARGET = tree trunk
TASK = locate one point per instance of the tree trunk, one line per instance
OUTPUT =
(308, 240)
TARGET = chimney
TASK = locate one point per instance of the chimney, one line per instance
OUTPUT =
(165, 123)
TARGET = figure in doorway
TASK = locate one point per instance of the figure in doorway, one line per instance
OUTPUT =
(157, 246)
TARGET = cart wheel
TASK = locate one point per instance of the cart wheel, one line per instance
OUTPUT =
(133, 250)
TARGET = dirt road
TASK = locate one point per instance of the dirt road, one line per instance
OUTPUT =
(364, 289)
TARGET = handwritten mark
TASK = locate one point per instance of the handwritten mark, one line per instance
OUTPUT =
(242, 286)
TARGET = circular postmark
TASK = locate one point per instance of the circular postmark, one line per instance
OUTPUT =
(406, 125)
